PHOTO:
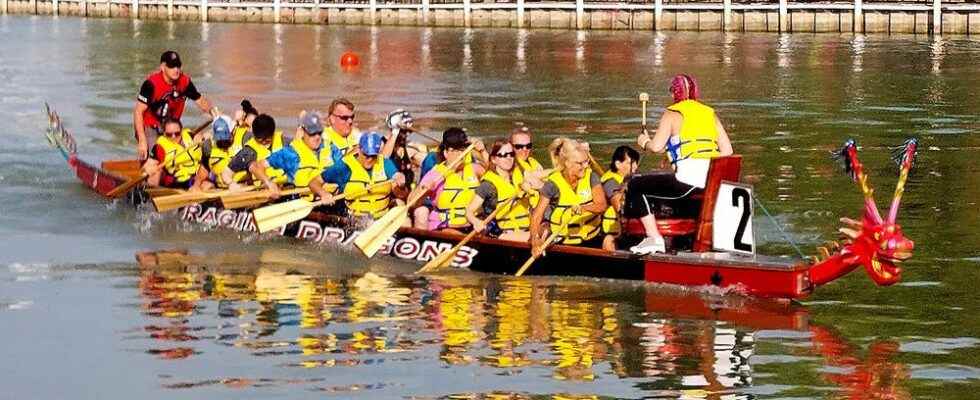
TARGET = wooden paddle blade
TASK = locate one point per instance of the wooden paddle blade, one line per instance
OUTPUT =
(375, 236)
(272, 217)
(126, 187)
(167, 203)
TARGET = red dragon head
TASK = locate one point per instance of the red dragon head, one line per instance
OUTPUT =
(874, 242)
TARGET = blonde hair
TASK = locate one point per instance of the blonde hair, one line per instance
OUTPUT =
(561, 149)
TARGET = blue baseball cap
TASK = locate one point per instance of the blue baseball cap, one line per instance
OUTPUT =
(312, 123)
(221, 128)
(371, 143)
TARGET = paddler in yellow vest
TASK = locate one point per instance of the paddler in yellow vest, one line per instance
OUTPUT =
(572, 200)
(449, 192)
(215, 155)
(525, 165)
(624, 163)
(340, 136)
(692, 135)
(497, 189)
(365, 167)
(264, 140)
(175, 157)
(302, 161)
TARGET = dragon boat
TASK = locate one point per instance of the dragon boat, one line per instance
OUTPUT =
(698, 254)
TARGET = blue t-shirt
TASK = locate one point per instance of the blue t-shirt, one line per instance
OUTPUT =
(287, 160)
(428, 163)
(340, 173)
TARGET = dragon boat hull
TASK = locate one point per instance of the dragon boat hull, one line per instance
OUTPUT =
(757, 275)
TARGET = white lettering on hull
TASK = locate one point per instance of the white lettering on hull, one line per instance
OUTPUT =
(406, 248)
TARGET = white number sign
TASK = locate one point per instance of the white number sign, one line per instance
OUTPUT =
(733, 219)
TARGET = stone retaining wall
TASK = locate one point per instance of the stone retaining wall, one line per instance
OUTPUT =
(809, 20)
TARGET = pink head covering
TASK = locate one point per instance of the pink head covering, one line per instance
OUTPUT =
(683, 87)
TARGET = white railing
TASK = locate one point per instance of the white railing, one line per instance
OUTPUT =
(424, 7)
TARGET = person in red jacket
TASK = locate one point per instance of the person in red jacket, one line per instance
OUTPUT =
(162, 96)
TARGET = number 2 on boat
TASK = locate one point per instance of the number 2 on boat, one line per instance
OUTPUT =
(733, 219)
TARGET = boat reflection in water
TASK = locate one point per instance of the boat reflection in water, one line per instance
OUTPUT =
(665, 341)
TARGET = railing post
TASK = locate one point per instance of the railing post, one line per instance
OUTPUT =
(658, 13)
(84, 6)
(520, 13)
(579, 14)
(783, 16)
(3, 6)
(373, 11)
(727, 6)
(276, 10)
(425, 12)
(54, 6)
(858, 17)
(135, 12)
(34, 6)
(466, 13)
(108, 8)
(204, 10)
(170, 9)
(937, 17)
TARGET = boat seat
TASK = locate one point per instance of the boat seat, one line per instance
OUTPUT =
(727, 168)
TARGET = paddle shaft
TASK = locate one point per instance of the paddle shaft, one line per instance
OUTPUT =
(596, 166)
(439, 261)
(357, 194)
(547, 242)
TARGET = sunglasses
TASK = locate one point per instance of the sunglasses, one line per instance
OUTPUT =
(522, 146)
(505, 155)
(171, 133)
(314, 133)
(348, 118)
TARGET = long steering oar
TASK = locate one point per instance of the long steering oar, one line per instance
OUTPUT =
(375, 236)
(544, 246)
(445, 258)
(175, 201)
(271, 217)
(130, 184)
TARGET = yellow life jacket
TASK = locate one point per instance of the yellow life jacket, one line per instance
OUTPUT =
(698, 137)
(513, 216)
(238, 139)
(311, 164)
(518, 176)
(217, 162)
(343, 143)
(180, 161)
(581, 227)
(261, 153)
(457, 191)
(376, 202)
(610, 220)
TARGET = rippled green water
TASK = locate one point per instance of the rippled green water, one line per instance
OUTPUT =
(84, 321)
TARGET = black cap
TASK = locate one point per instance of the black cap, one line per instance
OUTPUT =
(171, 58)
(455, 138)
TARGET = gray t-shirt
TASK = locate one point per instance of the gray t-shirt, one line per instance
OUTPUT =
(610, 187)
(488, 192)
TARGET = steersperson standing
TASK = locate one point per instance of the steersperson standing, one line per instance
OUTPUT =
(692, 135)
(162, 96)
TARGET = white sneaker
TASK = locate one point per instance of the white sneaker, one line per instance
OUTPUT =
(650, 245)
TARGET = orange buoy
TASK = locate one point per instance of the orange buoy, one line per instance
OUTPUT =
(349, 59)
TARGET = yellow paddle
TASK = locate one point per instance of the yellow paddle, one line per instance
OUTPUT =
(175, 201)
(445, 258)
(595, 166)
(375, 236)
(271, 217)
(253, 199)
(157, 192)
(544, 246)
(130, 184)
